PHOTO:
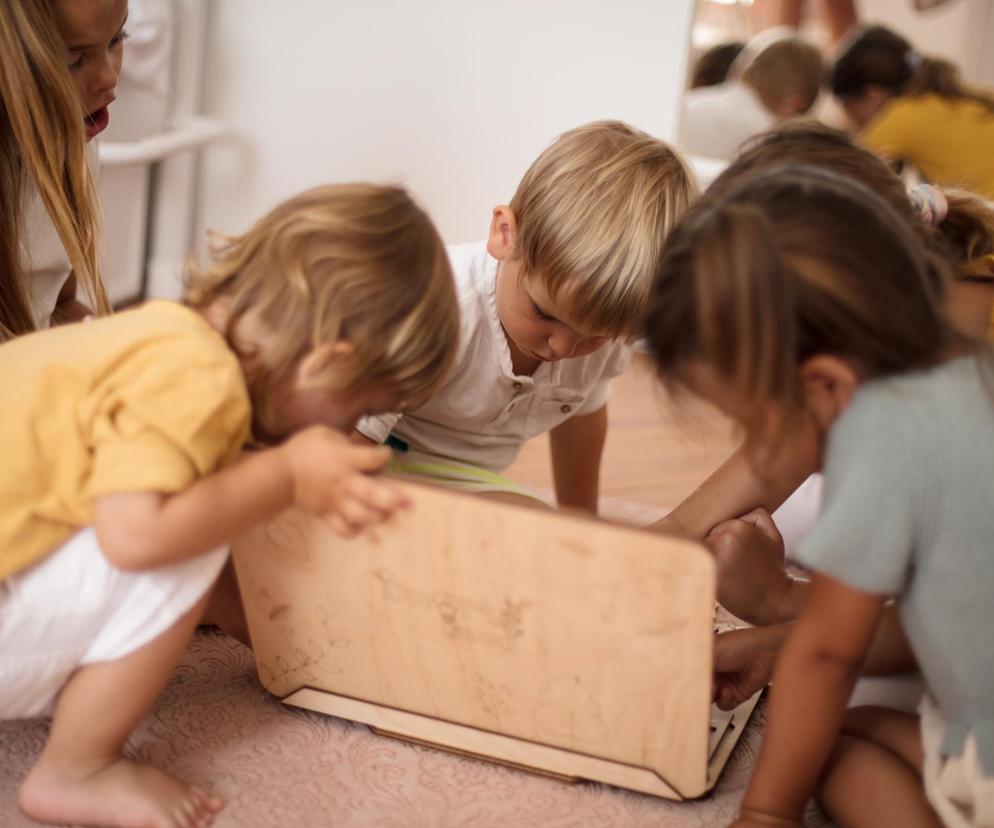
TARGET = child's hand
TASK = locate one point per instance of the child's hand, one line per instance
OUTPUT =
(743, 663)
(752, 580)
(331, 476)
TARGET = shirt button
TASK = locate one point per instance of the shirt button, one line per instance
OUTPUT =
(566, 409)
(516, 386)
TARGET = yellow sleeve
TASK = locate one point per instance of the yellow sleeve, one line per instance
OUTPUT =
(898, 131)
(168, 423)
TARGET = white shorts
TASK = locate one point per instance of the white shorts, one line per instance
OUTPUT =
(955, 785)
(73, 608)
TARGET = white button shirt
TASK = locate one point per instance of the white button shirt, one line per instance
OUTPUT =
(484, 412)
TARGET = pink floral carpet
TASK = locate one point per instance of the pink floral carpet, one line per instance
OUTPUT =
(279, 766)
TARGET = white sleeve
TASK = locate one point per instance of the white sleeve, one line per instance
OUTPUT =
(378, 428)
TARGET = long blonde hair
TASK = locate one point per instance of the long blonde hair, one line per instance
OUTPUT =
(42, 142)
(359, 263)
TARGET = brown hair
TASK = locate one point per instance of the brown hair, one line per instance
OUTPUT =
(966, 236)
(787, 65)
(714, 63)
(789, 264)
(42, 141)
(592, 212)
(876, 56)
(350, 262)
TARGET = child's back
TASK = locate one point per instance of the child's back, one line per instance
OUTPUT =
(909, 487)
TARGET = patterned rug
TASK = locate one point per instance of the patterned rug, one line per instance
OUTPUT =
(278, 766)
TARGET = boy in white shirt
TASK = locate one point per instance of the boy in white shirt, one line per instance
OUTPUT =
(549, 304)
(775, 78)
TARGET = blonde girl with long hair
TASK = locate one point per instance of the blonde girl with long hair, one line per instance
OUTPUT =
(125, 477)
(61, 59)
(804, 307)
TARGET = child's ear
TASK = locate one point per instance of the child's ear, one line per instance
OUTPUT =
(829, 385)
(503, 233)
(321, 358)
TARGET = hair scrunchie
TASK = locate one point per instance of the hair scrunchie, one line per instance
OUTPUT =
(931, 203)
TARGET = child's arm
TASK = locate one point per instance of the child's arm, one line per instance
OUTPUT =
(577, 446)
(811, 684)
(318, 469)
(744, 659)
(734, 489)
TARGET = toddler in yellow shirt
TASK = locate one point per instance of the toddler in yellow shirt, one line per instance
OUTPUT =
(124, 476)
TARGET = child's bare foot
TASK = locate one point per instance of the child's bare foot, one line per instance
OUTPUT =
(122, 793)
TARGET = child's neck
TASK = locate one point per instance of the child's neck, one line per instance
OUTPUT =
(522, 364)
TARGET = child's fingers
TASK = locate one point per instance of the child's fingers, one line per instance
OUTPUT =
(340, 526)
(378, 494)
(368, 458)
(763, 521)
(357, 514)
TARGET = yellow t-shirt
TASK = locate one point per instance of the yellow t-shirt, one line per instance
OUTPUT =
(150, 399)
(950, 141)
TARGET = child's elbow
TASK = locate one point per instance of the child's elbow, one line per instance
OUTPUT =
(124, 550)
(125, 527)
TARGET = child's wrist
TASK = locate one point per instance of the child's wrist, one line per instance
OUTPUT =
(791, 601)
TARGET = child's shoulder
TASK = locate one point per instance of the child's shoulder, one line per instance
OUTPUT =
(473, 267)
(924, 407)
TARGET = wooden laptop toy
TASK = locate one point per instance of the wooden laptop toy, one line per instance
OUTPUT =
(556, 643)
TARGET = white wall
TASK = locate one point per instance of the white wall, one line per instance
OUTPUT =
(960, 31)
(453, 98)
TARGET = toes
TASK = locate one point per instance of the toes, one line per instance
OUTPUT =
(208, 801)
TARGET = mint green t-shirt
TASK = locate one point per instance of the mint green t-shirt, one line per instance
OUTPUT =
(908, 510)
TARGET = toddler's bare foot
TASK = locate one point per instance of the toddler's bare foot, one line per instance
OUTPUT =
(122, 793)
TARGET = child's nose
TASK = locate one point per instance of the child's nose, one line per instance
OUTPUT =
(564, 345)
(105, 77)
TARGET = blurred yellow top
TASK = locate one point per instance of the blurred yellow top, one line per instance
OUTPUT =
(950, 141)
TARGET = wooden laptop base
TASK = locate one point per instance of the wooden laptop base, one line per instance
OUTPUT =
(563, 765)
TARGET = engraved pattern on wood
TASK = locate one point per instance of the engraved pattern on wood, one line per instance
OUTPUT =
(556, 630)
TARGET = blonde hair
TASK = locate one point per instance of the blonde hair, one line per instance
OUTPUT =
(42, 141)
(790, 264)
(359, 263)
(592, 212)
(786, 66)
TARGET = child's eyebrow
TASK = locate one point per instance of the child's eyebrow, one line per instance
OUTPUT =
(538, 307)
(80, 47)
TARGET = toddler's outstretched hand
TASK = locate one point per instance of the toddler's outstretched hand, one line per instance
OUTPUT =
(332, 476)
(752, 580)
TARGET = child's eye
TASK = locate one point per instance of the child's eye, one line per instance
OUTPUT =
(76, 65)
(541, 314)
(121, 37)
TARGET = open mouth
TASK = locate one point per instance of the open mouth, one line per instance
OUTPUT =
(96, 122)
